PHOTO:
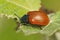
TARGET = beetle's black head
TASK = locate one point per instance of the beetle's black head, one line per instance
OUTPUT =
(24, 19)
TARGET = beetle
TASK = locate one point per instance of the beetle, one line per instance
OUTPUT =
(35, 17)
(39, 18)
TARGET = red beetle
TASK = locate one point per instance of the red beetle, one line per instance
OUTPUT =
(38, 18)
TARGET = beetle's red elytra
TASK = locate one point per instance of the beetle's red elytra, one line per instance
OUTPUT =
(38, 18)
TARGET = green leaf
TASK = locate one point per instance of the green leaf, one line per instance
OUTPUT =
(53, 26)
(9, 8)
(29, 29)
(7, 28)
(29, 5)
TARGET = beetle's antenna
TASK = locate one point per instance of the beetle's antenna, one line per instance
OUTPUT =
(18, 22)
(16, 15)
